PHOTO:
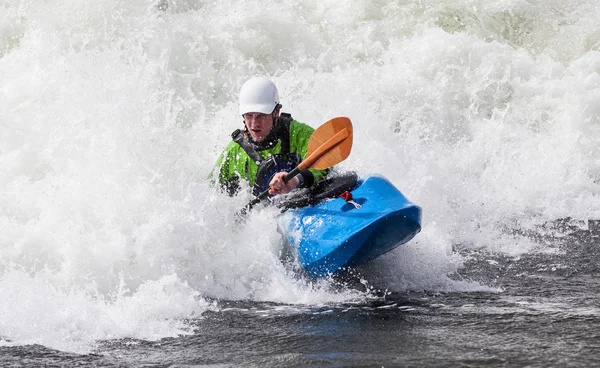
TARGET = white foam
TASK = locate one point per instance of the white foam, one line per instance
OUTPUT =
(112, 115)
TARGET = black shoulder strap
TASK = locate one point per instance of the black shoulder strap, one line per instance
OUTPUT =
(284, 124)
(239, 138)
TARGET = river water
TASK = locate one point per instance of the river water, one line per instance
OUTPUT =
(116, 250)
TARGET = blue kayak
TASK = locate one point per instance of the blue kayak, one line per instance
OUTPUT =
(335, 234)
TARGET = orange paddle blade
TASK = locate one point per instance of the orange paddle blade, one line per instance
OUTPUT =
(329, 144)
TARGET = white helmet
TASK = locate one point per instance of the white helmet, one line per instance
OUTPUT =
(258, 94)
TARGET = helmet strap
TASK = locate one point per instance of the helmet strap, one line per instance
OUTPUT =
(274, 115)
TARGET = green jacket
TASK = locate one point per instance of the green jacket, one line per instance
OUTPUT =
(234, 163)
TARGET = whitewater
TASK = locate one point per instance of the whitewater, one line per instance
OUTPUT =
(112, 115)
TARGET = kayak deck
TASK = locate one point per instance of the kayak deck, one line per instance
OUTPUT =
(335, 234)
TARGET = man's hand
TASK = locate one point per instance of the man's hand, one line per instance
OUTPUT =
(277, 185)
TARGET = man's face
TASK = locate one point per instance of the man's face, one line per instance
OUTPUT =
(259, 125)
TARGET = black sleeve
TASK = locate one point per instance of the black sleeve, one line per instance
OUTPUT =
(231, 186)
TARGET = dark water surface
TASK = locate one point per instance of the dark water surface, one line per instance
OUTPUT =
(547, 315)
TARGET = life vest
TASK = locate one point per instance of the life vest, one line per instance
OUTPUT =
(282, 161)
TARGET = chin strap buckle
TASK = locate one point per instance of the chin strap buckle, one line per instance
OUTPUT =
(347, 196)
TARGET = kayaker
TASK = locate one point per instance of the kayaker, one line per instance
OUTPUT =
(269, 146)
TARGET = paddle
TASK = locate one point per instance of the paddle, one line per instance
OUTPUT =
(329, 144)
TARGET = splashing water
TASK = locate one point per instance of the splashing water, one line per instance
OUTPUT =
(112, 115)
